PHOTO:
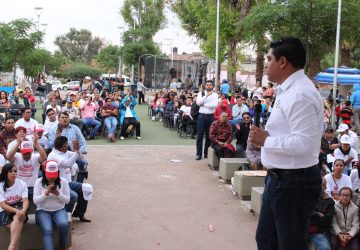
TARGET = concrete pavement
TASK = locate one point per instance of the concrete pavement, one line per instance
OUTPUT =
(142, 201)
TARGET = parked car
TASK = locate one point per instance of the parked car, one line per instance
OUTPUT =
(70, 84)
(56, 85)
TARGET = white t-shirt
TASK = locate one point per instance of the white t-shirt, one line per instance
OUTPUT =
(48, 126)
(185, 109)
(258, 93)
(13, 194)
(51, 202)
(44, 142)
(128, 112)
(354, 176)
(28, 125)
(2, 160)
(334, 187)
(339, 155)
(66, 161)
(28, 171)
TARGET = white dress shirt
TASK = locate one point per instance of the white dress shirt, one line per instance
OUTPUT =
(207, 104)
(294, 126)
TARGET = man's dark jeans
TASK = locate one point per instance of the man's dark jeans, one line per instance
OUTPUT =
(288, 202)
(203, 126)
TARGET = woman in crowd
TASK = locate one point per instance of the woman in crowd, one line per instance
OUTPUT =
(13, 203)
(345, 224)
(4, 99)
(51, 193)
(58, 97)
(157, 106)
(116, 100)
(337, 180)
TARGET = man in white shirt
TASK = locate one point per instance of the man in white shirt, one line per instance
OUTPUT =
(27, 162)
(346, 153)
(141, 91)
(343, 129)
(208, 101)
(51, 121)
(27, 122)
(290, 147)
(173, 85)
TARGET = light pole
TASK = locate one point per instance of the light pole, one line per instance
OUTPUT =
(336, 63)
(135, 14)
(170, 43)
(217, 42)
(121, 28)
(38, 12)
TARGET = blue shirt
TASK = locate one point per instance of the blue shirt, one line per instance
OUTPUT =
(225, 88)
(355, 97)
(71, 132)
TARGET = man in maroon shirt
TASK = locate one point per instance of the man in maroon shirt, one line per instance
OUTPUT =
(7, 135)
(221, 136)
(110, 115)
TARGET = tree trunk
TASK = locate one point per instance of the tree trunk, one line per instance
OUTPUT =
(259, 64)
(232, 63)
(314, 67)
(345, 56)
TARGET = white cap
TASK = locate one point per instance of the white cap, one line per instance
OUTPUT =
(345, 139)
(342, 128)
(87, 191)
(87, 78)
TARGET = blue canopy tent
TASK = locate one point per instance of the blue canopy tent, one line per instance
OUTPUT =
(346, 76)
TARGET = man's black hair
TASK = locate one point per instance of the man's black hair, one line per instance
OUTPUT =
(238, 97)
(63, 113)
(348, 103)
(49, 110)
(292, 49)
(209, 81)
(9, 118)
(60, 142)
(24, 109)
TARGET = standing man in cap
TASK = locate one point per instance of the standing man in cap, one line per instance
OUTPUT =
(27, 163)
(343, 129)
(290, 146)
(208, 101)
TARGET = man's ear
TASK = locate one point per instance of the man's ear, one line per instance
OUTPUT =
(283, 62)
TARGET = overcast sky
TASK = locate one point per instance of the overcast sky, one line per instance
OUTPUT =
(101, 17)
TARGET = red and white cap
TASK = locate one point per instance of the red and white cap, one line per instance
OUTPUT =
(51, 169)
(26, 147)
(39, 128)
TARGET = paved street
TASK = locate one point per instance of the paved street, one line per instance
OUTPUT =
(142, 201)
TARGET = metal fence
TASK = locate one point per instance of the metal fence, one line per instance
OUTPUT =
(165, 70)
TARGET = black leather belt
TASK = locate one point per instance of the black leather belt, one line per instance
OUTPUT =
(277, 172)
(206, 114)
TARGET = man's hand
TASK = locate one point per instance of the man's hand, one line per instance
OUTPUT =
(76, 145)
(20, 139)
(258, 136)
(221, 144)
(321, 215)
(237, 126)
(209, 93)
(36, 137)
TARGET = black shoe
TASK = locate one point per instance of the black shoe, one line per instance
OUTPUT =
(198, 157)
(82, 218)
(205, 156)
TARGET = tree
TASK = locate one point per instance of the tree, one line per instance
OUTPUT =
(79, 45)
(150, 19)
(108, 57)
(199, 19)
(17, 40)
(37, 60)
(80, 70)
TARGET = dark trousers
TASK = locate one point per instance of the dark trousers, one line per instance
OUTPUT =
(288, 201)
(222, 152)
(76, 195)
(203, 127)
(127, 122)
(141, 97)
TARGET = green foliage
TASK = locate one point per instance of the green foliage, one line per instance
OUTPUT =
(35, 61)
(80, 70)
(17, 39)
(79, 45)
(108, 57)
(150, 20)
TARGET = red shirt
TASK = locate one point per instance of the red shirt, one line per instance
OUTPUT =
(106, 108)
(220, 109)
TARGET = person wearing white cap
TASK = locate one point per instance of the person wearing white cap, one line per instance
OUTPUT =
(43, 140)
(86, 85)
(67, 160)
(343, 129)
(27, 163)
(51, 193)
(346, 153)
